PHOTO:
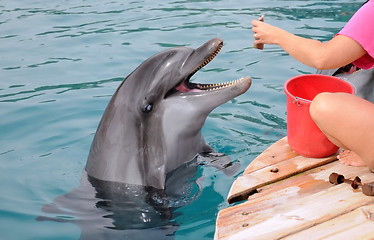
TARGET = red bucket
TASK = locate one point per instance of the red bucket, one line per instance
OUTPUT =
(304, 137)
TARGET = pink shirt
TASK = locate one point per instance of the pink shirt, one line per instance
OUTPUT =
(361, 29)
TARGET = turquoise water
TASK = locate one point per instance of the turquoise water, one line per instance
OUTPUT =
(60, 62)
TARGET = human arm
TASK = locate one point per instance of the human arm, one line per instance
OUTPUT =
(335, 53)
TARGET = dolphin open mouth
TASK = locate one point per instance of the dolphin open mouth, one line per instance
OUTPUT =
(185, 86)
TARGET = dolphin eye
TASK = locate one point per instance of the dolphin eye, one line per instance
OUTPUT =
(148, 108)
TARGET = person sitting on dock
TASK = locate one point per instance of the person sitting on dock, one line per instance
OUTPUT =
(346, 120)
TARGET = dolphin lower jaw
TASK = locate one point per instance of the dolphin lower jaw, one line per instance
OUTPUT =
(194, 107)
(186, 86)
(210, 96)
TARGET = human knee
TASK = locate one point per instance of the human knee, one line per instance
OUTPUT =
(321, 106)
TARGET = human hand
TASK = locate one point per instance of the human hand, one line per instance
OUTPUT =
(261, 45)
(265, 33)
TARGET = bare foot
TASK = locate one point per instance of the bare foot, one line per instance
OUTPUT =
(350, 158)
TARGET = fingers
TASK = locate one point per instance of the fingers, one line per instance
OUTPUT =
(256, 22)
(256, 34)
(256, 28)
(257, 43)
(257, 25)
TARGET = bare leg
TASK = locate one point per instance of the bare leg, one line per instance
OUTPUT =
(348, 121)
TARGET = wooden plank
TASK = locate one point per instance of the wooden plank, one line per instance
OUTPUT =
(358, 224)
(294, 204)
(312, 181)
(278, 152)
(252, 179)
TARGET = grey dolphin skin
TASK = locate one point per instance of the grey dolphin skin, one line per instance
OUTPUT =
(153, 122)
(147, 149)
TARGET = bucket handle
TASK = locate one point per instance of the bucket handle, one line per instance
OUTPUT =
(297, 101)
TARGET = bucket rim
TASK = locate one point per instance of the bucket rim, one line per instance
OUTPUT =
(313, 75)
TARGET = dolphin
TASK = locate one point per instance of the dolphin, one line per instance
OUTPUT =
(153, 122)
(147, 148)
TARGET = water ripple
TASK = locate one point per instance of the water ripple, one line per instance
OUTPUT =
(57, 89)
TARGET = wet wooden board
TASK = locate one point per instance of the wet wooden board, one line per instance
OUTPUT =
(357, 224)
(274, 164)
(297, 202)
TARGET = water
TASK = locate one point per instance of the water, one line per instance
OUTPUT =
(60, 62)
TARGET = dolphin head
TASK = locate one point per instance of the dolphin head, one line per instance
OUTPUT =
(153, 122)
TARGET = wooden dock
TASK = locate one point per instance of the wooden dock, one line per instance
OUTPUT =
(287, 196)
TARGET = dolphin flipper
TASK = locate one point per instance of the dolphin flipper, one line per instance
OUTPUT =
(220, 161)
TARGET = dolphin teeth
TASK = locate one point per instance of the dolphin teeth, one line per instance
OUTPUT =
(209, 59)
(217, 86)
